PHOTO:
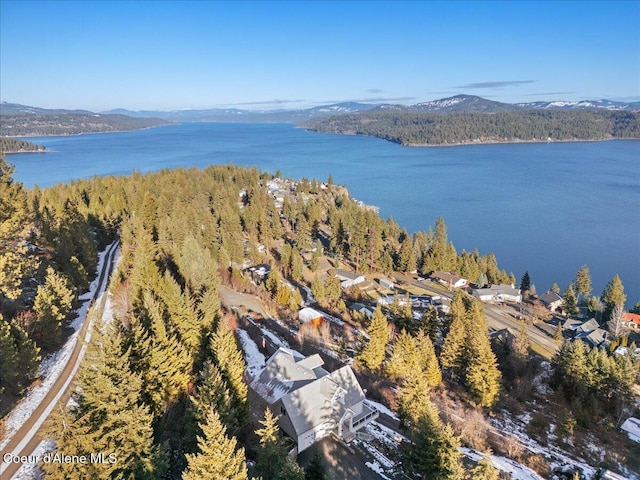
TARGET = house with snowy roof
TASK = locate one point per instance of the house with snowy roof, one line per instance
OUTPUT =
(449, 280)
(348, 278)
(312, 402)
(498, 293)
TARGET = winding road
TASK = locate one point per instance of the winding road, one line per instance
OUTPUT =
(24, 441)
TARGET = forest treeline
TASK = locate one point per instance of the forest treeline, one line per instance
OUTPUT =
(163, 386)
(15, 145)
(463, 128)
(37, 125)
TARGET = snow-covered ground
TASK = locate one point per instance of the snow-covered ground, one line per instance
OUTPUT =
(252, 356)
(277, 341)
(553, 454)
(515, 470)
(52, 365)
(381, 408)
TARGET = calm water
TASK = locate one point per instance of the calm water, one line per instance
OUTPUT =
(545, 208)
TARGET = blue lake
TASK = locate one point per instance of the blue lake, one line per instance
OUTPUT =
(547, 208)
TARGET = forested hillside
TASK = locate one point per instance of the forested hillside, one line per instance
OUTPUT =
(464, 128)
(36, 125)
(168, 367)
(14, 145)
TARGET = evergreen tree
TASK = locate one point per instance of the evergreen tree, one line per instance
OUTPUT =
(109, 417)
(273, 451)
(15, 221)
(19, 358)
(232, 366)
(432, 452)
(218, 458)
(373, 353)
(485, 470)
(555, 288)
(570, 304)
(525, 283)
(316, 470)
(52, 304)
(213, 394)
(613, 295)
(583, 282)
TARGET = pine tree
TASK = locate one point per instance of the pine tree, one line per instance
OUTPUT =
(485, 470)
(109, 418)
(583, 281)
(218, 458)
(429, 365)
(316, 470)
(570, 304)
(15, 221)
(405, 359)
(374, 352)
(273, 452)
(612, 295)
(52, 304)
(525, 283)
(232, 366)
(213, 393)
(432, 452)
(453, 350)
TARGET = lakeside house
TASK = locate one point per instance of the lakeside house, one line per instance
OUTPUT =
(498, 294)
(312, 402)
(362, 309)
(551, 300)
(348, 278)
(631, 321)
(448, 279)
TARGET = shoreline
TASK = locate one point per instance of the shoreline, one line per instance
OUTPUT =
(86, 133)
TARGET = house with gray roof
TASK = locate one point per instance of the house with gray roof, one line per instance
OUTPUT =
(348, 278)
(551, 300)
(312, 402)
(498, 293)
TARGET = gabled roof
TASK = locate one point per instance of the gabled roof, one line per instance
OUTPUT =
(323, 400)
(593, 337)
(307, 314)
(287, 370)
(494, 290)
(446, 277)
(347, 274)
(588, 326)
(550, 297)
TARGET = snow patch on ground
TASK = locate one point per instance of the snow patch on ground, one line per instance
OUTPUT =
(381, 408)
(29, 471)
(254, 358)
(552, 453)
(375, 466)
(277, 341)
(513, 468)
(385, 435)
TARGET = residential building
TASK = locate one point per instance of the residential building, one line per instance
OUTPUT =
(449, 280)
(312, 403)
(631, 321)
(551, 300)
(309, 315)
(498, 294)
(260, 273)
(348, 278)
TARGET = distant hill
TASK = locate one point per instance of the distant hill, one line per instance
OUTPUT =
(248, 116)
(456, 128)
(474, 104)
(23, 121)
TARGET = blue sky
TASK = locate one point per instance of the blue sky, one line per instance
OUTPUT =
(173, 55)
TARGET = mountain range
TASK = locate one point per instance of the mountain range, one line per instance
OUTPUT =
(458, 103)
